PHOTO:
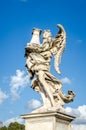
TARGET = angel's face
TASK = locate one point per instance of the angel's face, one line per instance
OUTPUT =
(46, 34)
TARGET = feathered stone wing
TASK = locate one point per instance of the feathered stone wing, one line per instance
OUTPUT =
(59, 43)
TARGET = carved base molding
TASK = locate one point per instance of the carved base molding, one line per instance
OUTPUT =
(47, 121)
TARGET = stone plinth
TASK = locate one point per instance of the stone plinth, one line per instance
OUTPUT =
(47, 121)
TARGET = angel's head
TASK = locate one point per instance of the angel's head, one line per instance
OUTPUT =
(46, 34)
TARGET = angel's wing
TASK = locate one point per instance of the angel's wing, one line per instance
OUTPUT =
(59, 42)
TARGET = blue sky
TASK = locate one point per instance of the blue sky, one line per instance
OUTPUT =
(17, 19)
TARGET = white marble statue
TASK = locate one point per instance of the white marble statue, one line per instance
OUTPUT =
(38, 58)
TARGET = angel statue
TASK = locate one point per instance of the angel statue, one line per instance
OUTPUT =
(38, 58)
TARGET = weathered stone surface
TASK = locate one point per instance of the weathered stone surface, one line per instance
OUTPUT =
(47, 121)
(38, 66)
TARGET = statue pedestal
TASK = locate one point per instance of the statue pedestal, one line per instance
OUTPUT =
(48, 121)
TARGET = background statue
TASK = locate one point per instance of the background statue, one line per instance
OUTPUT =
(38, 65)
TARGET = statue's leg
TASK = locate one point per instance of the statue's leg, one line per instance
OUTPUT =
(37, 87)
(46, 101)
(46, 87)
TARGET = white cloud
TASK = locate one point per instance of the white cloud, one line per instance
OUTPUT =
(66, 80)
(3, 96)
(11, 120)
(33, 104)
(78, 127)
(17, 83)
(80, 113)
